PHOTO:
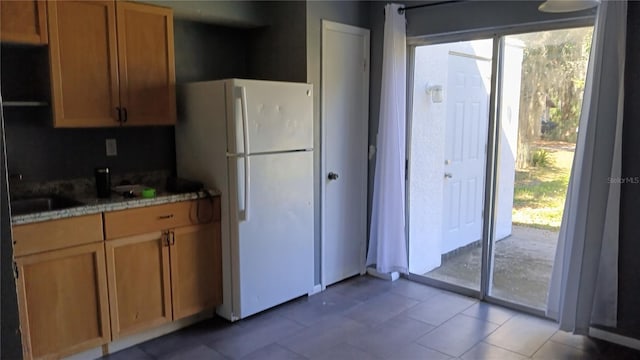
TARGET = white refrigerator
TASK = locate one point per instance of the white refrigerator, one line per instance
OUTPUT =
(253, 140)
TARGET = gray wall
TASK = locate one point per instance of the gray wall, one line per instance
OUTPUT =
(40, 152)
(227, 13)
(346, 12)
(462, 17)
(278, 50)
(210, 52)
(10, 342)
(478, 15)
(629, 276)
(469, 16)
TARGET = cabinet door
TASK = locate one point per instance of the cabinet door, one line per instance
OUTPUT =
(23, 22)
(139, 282)
(196, 270)
(146, 64)
(62, 297)
(84, 73)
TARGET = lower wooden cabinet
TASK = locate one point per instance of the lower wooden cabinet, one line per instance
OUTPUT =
(139, 283)
(165, 273)
(196, 269)
(77, 291)
(62, 296)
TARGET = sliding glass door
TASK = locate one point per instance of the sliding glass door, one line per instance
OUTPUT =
(452, 84)
(486, 184)
(542, 83)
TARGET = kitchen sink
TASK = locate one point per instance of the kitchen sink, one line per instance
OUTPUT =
(42, 203)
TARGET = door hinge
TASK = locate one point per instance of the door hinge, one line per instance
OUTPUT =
(16, 273)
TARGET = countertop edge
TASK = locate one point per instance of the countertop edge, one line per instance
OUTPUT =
(112, 205)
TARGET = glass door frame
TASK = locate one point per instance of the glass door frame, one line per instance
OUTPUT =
(493, 148)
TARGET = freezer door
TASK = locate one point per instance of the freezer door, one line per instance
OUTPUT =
(269, 116)
(273, 230)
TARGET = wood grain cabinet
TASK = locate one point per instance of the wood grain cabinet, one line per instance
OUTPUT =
(23, 22)
(139, 282)
(62, 293)
(166, 265)
(112, 64)
(196, 269)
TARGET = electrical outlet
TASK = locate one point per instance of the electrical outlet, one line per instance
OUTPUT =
(112, 147)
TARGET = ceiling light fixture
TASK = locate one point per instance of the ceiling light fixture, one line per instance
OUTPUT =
(561, 6)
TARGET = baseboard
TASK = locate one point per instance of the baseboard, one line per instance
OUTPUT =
(132, 340)
(316, 289)
(615, 338)
(392, 276)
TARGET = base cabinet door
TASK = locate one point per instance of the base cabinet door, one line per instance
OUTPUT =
(139, 282)
(196, 270)
(63, 301)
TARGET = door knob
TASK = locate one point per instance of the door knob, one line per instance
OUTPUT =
(447, 162)
(448, 175)
(332, 176)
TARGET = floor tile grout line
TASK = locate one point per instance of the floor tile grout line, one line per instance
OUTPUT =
(509, 350)
(471, 317)
(436, 350)
(548, 340)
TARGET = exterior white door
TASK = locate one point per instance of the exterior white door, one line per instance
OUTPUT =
(465, 149)
(345, 117)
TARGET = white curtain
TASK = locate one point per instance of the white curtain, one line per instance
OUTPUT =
(387, 244)
(583, 288)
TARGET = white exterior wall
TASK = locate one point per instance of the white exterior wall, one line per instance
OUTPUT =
(509, 115)
(426, 165)
(427, 149)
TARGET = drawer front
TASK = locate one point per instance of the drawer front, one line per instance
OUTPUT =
(56, 234)
(159, 217)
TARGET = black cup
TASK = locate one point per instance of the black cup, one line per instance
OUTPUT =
(103, 182)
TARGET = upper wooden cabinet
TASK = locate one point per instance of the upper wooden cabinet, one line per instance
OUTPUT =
(146, 60)
(23, 22)
(112, 63)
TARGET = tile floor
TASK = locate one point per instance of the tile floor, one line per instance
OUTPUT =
(366, 318)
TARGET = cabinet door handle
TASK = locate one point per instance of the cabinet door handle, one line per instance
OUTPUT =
(163, 217)
(165, 238)
(173, 238)
(124, 109)
(119, 109)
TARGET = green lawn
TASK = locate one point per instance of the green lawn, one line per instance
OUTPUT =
(540, 192)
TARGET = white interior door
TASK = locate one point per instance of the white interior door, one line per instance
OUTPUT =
(465, 149)
(345, 117)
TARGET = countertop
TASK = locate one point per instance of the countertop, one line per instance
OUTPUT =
(114, 203)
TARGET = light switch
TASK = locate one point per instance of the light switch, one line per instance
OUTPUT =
(112, 147)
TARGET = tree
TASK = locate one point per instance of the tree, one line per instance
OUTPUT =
(553, 75)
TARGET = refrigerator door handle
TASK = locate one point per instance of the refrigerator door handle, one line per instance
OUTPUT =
(245, 137)
(247, 179)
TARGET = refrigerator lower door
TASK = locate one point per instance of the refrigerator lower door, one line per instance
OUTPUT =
(272, 230)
